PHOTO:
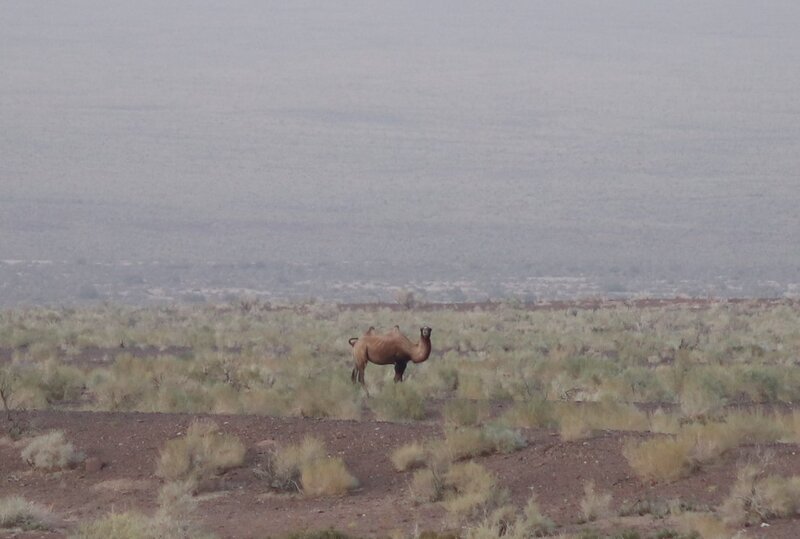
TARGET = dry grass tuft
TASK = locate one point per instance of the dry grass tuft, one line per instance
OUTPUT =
(707, 526)
(203, 452)
(118, 525)
(327, 476)
(664, 423)
(408, 456)
(467, 442)
(464, 412)
(470, 489)
(659, 459)
(426, 485)
(306, 466)
(672, 457)
(174, 519)
(534, 413)
(327, 397)
(18, 513)
(577, 420)
(399, 402)
(593, 504)
(756, 498)
(289, 460)
(507, 522)
(51, 452)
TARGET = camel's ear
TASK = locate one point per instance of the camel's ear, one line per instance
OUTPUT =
(352, 341)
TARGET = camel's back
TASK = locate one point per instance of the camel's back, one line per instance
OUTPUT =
(382, 348)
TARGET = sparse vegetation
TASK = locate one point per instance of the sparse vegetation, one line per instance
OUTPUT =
(203, 452)
(399, 402)
(697, 377)
(671, 457)
(408, 456)
(8, 384)
(50, 452)
(757, 497)
(464, 442)
(18, 513)
(594, 505)
(506, 521)
(259, 359)
(462, 412)
(307, 467)
(174, 519)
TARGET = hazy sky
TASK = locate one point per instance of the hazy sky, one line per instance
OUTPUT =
(557, 136)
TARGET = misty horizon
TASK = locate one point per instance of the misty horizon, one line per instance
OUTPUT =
(457, 148)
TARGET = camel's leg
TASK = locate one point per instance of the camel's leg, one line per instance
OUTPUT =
(399, 369)
(361, 370)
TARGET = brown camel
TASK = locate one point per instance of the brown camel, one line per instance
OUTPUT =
(392, 348)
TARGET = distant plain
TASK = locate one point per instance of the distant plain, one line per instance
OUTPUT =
(199, 149)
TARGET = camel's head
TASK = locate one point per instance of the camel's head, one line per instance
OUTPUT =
(425, 332)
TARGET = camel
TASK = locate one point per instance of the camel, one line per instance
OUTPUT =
(392, 348)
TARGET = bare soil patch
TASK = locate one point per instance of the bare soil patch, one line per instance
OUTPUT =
(242, 505)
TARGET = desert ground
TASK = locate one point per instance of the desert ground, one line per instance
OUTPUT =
(592, 419)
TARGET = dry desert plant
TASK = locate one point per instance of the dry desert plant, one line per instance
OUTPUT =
(203, 452)
(326, 396)
(174, 519)
(668, 458)
(326, 477)
(399, 402)
(470, 489)
(9, 380)
(118, 525)
(756, 497)
(18, 513)
(306, 466)
(578, 420)
(427, 485)
(464, 412)
(51, 451)
(408, 456)
(594, 505)
(660, 459)
(707, 525)
(467, 442)
(534, 413)
(507, 522)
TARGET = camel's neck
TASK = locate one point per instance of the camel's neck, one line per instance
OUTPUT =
(421, 350)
